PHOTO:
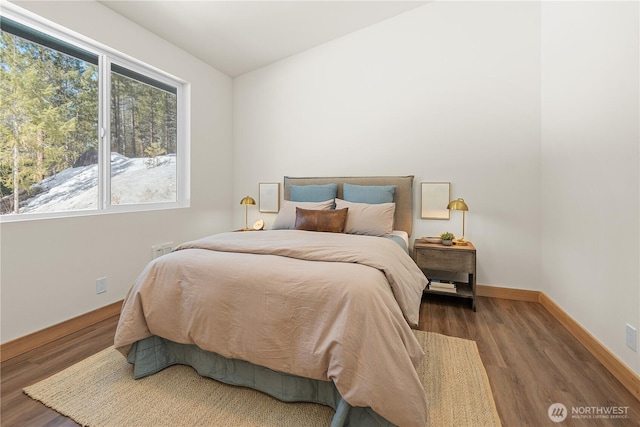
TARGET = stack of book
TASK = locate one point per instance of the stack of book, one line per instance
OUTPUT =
(442, 287)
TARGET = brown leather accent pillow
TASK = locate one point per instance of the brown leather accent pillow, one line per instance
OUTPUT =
(331, 221)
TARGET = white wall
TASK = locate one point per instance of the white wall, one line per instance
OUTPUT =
(446, 92)
(590, 164)
(523, 107)
(49, 267)
(529, 109)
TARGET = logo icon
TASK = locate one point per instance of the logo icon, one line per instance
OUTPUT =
(557, 412)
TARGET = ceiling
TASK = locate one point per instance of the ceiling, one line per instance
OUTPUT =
(236, 37)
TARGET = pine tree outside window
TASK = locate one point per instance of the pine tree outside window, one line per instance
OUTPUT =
(85, 130)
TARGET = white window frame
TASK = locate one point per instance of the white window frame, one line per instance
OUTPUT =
(107, 56)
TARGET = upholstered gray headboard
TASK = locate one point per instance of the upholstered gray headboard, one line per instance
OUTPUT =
(403, 196)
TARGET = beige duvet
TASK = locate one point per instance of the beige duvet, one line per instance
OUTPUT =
(326, 306)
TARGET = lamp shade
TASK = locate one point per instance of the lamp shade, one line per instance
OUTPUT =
(247, 201)
(458, 205)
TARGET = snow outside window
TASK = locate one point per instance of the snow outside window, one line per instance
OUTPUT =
(84, 130)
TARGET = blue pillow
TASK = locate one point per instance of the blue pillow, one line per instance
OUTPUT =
(373, 194)
(313, 193)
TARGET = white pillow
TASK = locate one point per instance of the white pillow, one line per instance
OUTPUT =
(286, 219)
(369, 219)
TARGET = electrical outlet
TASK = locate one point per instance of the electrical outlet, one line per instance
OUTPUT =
(101, 285)
(156, 251)
(161, 249)
(632, 338)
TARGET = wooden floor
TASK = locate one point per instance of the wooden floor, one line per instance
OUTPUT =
(531, 361)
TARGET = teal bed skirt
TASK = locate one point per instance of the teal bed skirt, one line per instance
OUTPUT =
(153, 354)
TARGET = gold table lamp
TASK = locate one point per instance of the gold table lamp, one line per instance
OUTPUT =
(459, 205)
(246, 202)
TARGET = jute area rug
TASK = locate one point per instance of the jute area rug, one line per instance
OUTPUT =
(100, 391)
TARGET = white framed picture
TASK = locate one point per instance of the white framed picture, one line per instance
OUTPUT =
(435, 199)
(269, 200)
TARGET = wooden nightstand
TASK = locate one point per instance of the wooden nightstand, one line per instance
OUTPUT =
(457, 259)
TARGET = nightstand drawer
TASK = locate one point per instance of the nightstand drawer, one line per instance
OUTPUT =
(456, 259)
(446, 260)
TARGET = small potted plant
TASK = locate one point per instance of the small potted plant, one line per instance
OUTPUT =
(447, 238)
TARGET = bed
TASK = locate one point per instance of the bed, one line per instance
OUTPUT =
(301, 312)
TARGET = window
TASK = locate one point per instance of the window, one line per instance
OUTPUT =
(143, 139)
(84, 129)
